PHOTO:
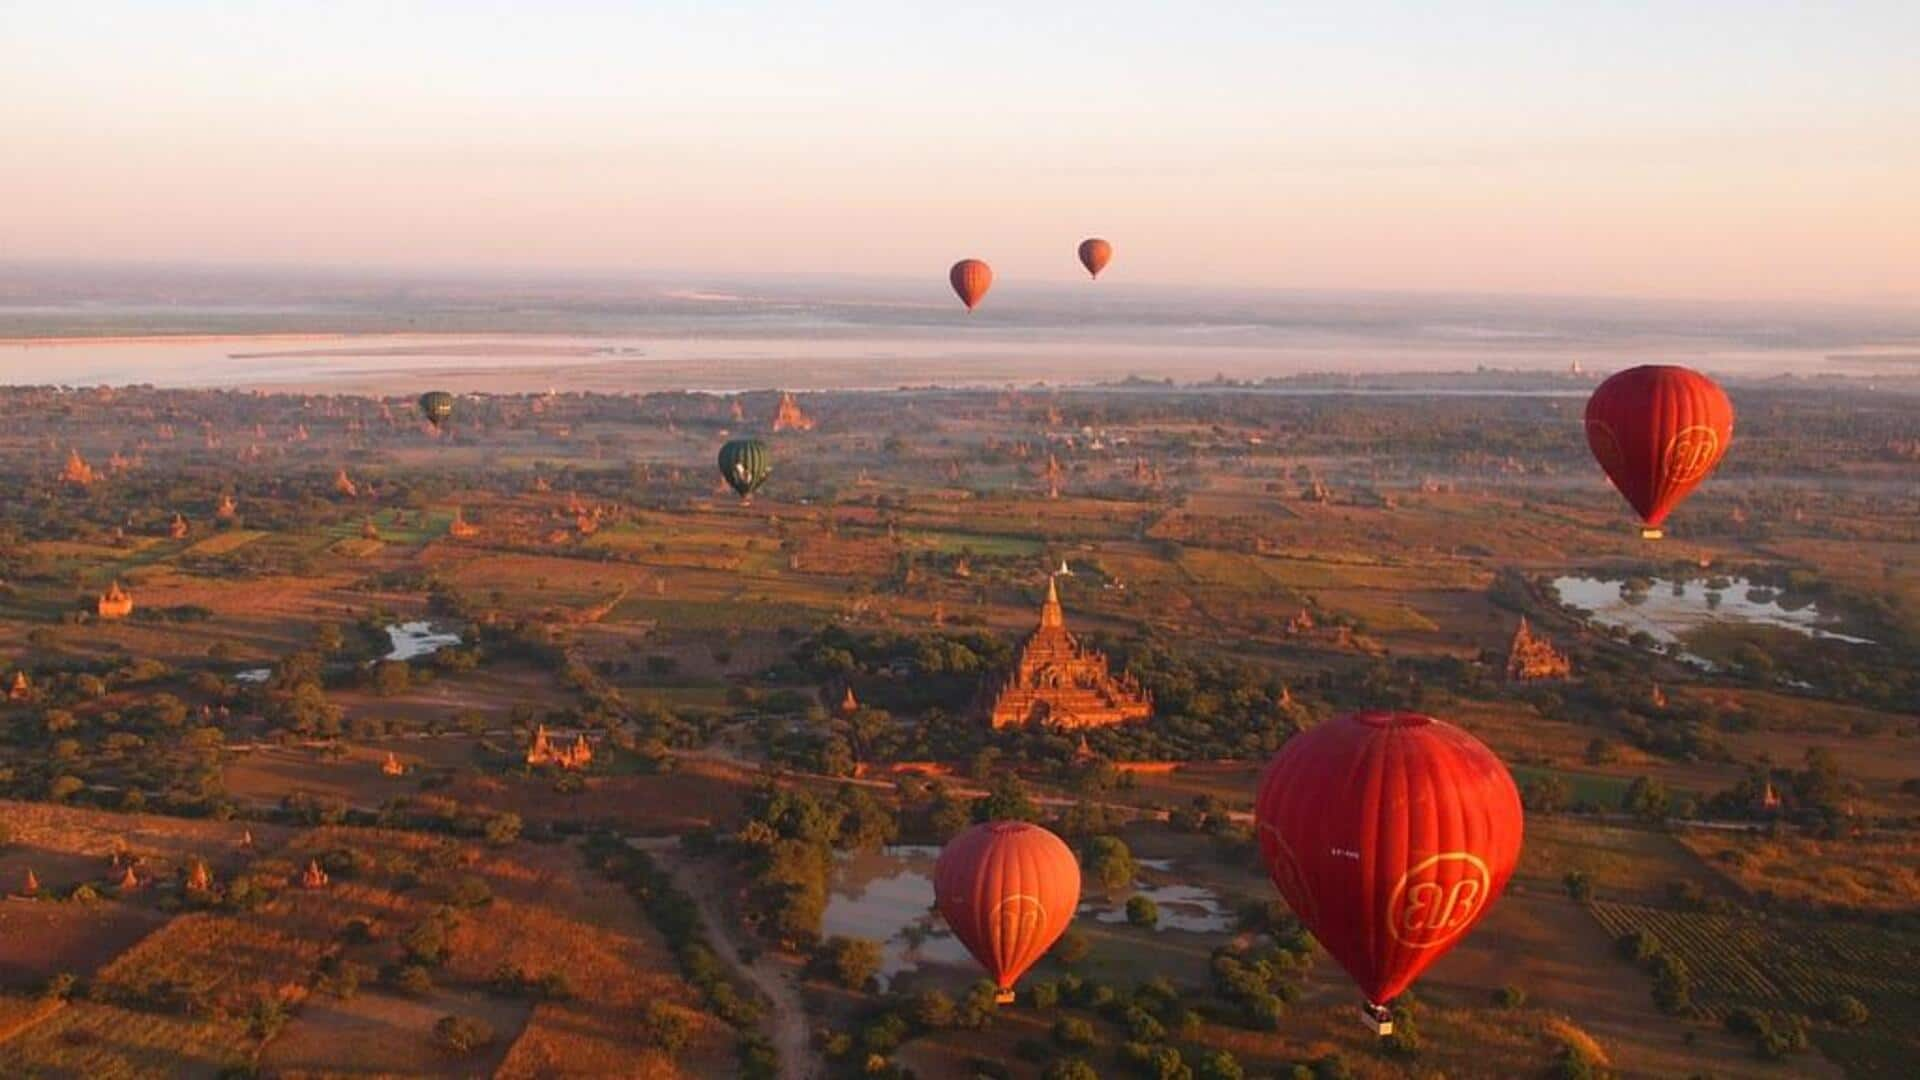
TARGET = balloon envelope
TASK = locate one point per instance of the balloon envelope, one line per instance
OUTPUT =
(745, 464)
(970, 279)
(1658, 430)
(436, 406)
(1095, 253)
(1008, 890)
(1389, 834)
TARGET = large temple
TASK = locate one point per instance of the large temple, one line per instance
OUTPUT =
(789, 417)
(1062, 684)
(1532, 658)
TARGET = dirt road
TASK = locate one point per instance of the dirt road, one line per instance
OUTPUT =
(786, 1021)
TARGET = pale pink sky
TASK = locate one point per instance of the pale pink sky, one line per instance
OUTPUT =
(1739, 150)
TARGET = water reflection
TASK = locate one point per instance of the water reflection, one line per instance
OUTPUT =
(411, 639)
(887, 896)
(1665, 615)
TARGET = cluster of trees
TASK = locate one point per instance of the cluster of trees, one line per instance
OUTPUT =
(785, 846)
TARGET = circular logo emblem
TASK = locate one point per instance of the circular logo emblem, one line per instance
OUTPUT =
(1689, 455)
(1020, 913)
(1438, 899)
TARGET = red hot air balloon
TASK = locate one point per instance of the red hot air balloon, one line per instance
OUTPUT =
(1389, 834)
(971, 279)
(1095, 253)
(1658, 430)
(1008, 889)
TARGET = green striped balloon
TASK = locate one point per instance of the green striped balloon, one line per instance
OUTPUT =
(745, 465)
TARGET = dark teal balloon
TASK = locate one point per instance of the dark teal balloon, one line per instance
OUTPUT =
(745, 465)
(436, 406)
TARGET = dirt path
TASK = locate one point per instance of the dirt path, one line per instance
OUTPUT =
(786, 1021)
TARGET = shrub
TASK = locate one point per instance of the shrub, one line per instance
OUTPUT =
(1510, 997)
(1142, 911)
(461, 1034)
(849, 962)
(1073, 1032)
(1846, 1010)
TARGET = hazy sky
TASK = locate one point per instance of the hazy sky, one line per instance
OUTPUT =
(1747, 148)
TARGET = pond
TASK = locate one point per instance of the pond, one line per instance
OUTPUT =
(411, 639)
(1668, 609)
(887, 896)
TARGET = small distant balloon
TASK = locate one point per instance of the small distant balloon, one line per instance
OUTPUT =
(971, 279)
(745, 464)
(436, 406)
(1095, 253)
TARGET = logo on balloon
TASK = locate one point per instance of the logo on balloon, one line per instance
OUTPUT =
(1690, 453)
(1020, 913)
(1437, 899)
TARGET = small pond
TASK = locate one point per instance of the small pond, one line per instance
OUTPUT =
(1668, 609)
(411, 639)
(887, 896)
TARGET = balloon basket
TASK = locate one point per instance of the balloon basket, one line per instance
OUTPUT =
(1003, 997)
(1651, 533)
(1377, 1018)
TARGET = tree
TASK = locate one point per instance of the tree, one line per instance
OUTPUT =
(1545, 794)
(1073, 1032)
(1218, 1065)
(1847, 1011)
(1646, 799)
(1510, 997)
(461, 1034)
(931, 1010)
(850, 962)
(1142, 911)
(666, 1027)
(1007, 800)
(1110, 862)
(1579, 886)
(1069, 1069)
(1072, 948)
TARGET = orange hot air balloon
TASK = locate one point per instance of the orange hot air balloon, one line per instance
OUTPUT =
(1658, 430)
(1390, 834)
(1008, 890)
(1095, 253)
(971, 279)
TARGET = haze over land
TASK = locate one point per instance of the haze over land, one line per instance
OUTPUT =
(380, 332)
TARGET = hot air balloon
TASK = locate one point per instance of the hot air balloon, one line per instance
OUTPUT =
(1008, 890)
(745, 465)
(1095, 254)
(1658, 430)
(1389, 834)
(971, 279)
(436, 406)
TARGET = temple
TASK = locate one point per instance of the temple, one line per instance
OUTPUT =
(788, 416)
(542, 751)
(114, 603)
(1532, 658)
(78, 473)
(1060, 683)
